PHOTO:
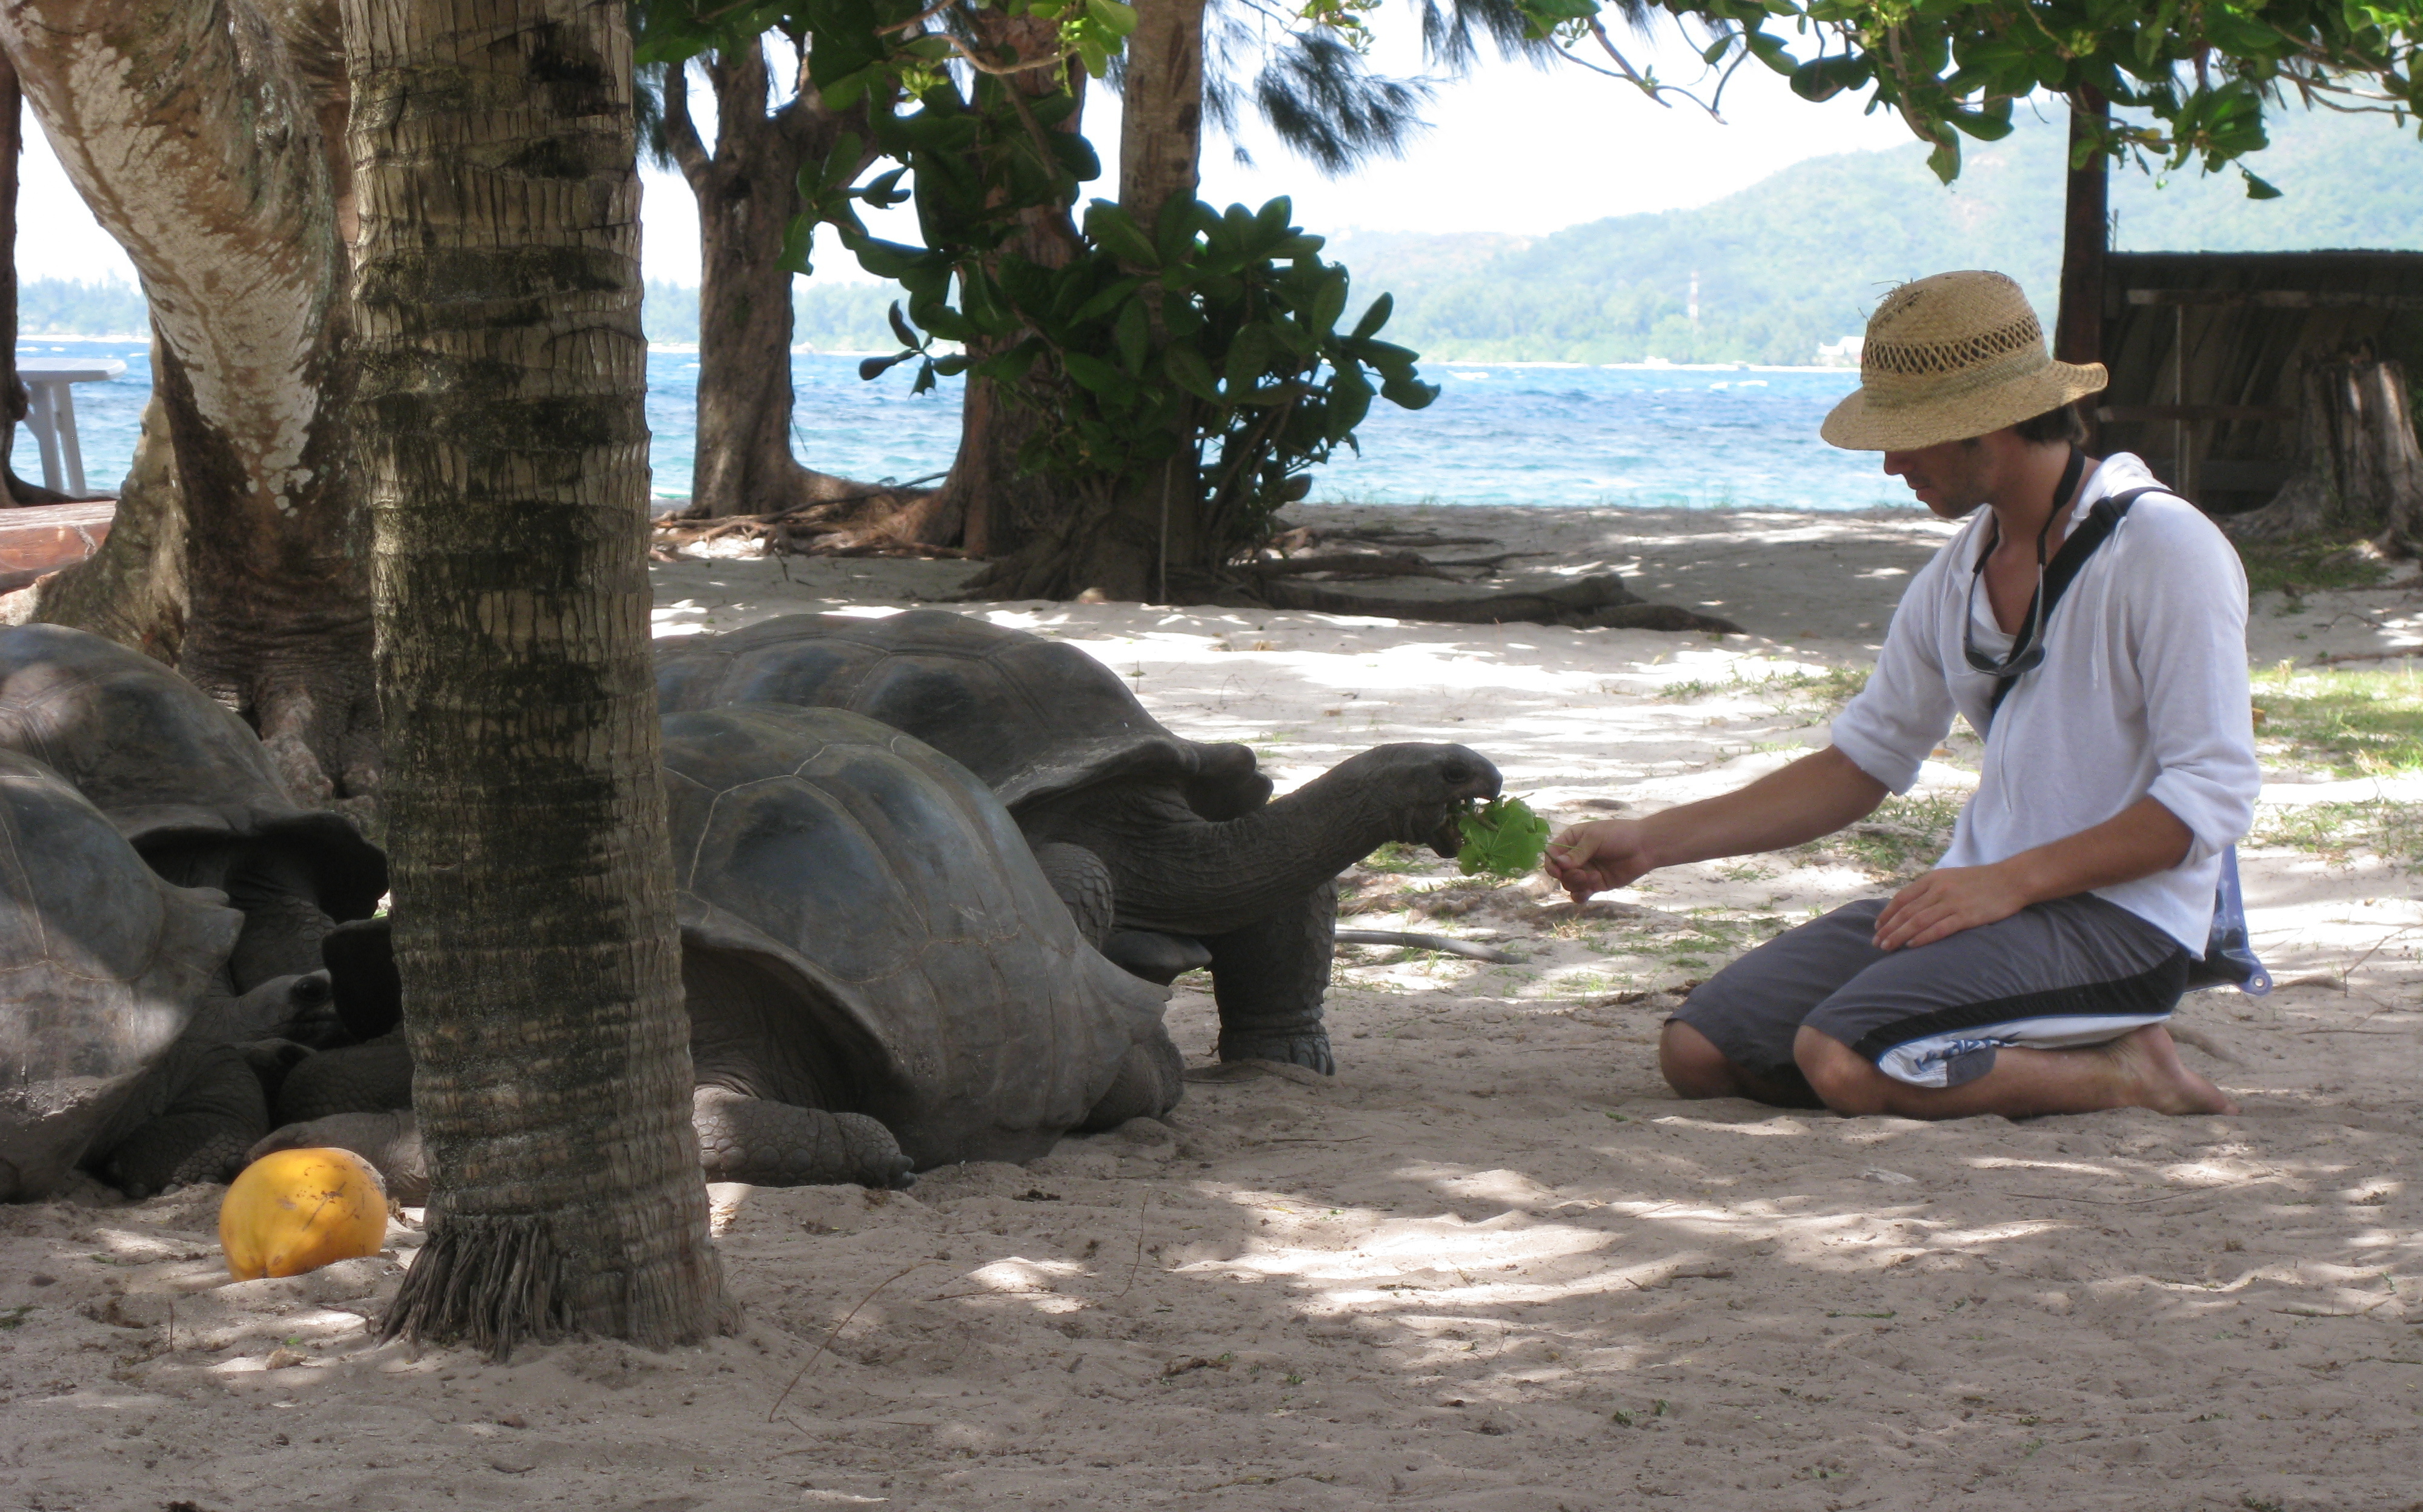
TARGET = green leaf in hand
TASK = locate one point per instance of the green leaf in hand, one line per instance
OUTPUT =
(1504, 838)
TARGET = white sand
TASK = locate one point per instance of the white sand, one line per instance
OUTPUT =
(1490, 1265)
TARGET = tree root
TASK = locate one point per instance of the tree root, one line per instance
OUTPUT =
(486, 1281)
(1443, 944)
(869, 520)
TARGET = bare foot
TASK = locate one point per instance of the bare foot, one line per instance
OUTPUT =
(2157, 1079)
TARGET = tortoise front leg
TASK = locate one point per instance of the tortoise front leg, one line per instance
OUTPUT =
(1269, 978)
(203, 1133)
(766, 1143)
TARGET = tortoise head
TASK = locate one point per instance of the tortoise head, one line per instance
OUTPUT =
(1417, 791)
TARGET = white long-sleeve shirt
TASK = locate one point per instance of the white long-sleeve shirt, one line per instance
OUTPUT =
(2141, 693)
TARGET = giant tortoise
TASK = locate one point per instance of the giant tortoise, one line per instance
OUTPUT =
(102, 968)
(1183, 833)
(191, 786)
(879, 976)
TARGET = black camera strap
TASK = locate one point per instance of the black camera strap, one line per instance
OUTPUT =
(2063, 570)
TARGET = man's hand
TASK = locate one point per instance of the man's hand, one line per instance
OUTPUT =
(1947, 900)
(1593, 857)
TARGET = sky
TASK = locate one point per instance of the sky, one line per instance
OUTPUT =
(1509, 149)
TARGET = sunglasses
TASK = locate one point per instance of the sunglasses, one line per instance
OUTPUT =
(2027, 651)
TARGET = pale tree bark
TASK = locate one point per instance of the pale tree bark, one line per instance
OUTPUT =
(194, 136)
(2362, 472)
(748, 191)
(501, 412)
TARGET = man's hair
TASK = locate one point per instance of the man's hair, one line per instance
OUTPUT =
(2064, 424)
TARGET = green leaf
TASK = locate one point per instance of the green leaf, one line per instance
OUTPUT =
(1188, 370)
(1095, 373)
(1117, 18)
(900, 326)
(1374, 318)
(1504, 837)
(1407, 392)
(1116, 231)
(2258, 188)
(1135, 336)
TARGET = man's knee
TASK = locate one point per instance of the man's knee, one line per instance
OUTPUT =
(1692, 1064)
(1845, 1080)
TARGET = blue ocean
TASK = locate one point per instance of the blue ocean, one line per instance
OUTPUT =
(1635, 437)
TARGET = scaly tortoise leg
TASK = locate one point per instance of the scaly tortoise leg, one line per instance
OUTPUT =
(1269, 978)
(748, 1139)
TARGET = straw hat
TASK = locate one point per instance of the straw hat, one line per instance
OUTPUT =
(1949, 357)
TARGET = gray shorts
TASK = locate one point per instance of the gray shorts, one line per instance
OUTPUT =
(2074, 971)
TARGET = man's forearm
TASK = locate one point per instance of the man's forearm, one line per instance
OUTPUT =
(1815, 795)
(2139, 841)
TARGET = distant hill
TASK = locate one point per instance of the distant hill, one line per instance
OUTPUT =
(64, 307)
(1791, 263)
(1800, 258)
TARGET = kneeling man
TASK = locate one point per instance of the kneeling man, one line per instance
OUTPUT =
(2030, 972)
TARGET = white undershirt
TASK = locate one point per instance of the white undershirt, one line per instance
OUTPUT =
(2142, 692)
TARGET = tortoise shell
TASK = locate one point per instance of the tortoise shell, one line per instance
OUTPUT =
(168, 764)
(1033, 718)
(928, 975)
(102, 965)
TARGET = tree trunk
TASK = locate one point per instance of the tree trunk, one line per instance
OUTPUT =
(1002, 505)
(14, 400)
(2362, 473)
(748, 195)
(1133, 540)
(2086, 235)
(503, 379)
(244, 562)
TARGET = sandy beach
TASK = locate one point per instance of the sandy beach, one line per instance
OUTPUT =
(1491, 1265)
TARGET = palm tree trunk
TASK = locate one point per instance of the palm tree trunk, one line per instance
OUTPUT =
(240, 558)
(506, 453)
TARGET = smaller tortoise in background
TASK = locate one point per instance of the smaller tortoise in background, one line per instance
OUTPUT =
(102, 968)
(879, 976)
(1182, 835)
(190, 785)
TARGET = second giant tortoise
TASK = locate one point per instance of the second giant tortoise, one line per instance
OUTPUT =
(1179, 834)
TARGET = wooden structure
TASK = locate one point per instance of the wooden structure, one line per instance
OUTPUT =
(2208, 351)
(38, 539)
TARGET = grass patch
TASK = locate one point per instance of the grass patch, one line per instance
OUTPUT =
(1816, 694)
(1896, 842)
(2338, 832)
(1399, 858)
(2346, 723)
(2302, 566)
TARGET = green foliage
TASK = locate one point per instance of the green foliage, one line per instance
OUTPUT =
(2345, 724)
(1216, 336)
(1504, 838)
(2203, 73)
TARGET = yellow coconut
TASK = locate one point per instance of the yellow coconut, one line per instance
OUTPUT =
(296, 1210)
